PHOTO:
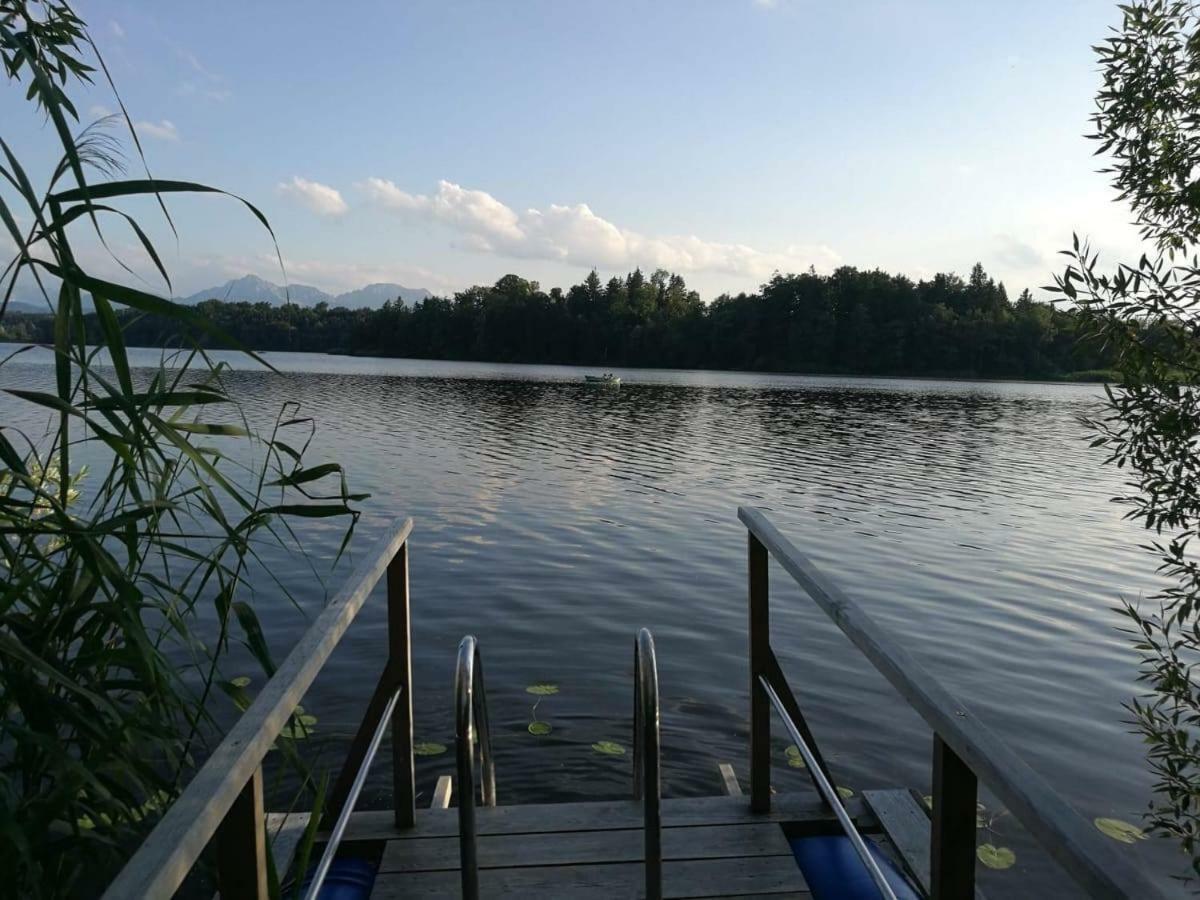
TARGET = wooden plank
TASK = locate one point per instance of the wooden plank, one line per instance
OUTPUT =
(729, 780)
(285, 831)
(1078, 847)
(441, 792)
(242, 845)
(167, 855)
(404, 778)
(603, 815)
(582, 847)
(760, 650)
(906, 824)
(766, 875)
(952, 840)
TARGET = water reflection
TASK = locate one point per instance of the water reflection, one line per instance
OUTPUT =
(554, 518)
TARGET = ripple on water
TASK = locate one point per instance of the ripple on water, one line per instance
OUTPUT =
(553, 520)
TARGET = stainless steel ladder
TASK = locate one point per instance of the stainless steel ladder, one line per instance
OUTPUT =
(471, 730)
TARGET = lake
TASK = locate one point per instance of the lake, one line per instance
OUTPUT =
(554, 518)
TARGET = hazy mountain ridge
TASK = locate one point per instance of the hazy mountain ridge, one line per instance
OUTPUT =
(252, 289)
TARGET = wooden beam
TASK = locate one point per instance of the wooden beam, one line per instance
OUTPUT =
(784, 690)
(952, 842)
(404, 784)
(167, 855)
(760, 705)
(242, 845)
(1078, 847)
(382, 695)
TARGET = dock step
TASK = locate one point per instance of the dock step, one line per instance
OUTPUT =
(712, 847)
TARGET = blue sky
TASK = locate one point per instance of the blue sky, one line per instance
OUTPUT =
(441, 144)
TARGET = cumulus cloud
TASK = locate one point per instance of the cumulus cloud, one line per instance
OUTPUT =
(320, 198)
(577, 236)
(164, 130)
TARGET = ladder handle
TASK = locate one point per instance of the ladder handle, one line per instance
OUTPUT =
(647, 764)
(471, 727)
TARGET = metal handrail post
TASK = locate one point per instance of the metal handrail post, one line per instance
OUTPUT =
(471, 726)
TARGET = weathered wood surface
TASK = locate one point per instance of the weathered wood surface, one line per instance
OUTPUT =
(905, 821)
(952, 857)
(603, 815)
(162, 862)
(760, 651)
(759, 876)
(242, 845)
(284, 831)
(584, 847)
(906, 825)
(404, 790)
(1078, 847)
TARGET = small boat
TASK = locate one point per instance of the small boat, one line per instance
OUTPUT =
(602, 379)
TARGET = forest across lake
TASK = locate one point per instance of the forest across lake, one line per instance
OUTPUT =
(851, 321)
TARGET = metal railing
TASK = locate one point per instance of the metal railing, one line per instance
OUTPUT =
(964, 749)
(831, 797)
(223, 803)
(343, 819)
(471, 728)
(647, 768)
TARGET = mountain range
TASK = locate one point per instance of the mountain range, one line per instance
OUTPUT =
(253, 289)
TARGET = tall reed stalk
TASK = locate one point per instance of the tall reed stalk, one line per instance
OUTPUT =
(109, 658)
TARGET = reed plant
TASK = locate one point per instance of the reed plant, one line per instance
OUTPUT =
(123, 585)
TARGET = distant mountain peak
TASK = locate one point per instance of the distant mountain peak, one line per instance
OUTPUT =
(252, 289)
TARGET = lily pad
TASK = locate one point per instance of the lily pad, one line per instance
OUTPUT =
(609, 748)
(995, 857)
(1119, 830)
(241, 681)
(928, 801)
(428, 748)
(542, 690)
(794, 759)
(539, 728)
(844, 792)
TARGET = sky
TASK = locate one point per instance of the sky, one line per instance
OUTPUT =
(441, 144)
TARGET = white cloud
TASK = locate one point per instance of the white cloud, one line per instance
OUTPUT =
(320, 198)
(766, 4)
(98, 111)
(577, 236)
(164, 130)
(115, 27)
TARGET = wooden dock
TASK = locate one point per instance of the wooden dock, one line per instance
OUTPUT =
(712, 847)
(647, 846)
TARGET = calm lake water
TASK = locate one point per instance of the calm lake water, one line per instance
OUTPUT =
(553, 519)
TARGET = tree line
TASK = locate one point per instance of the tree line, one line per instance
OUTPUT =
(851, 321)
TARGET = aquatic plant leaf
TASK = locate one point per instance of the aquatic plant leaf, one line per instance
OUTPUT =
(539, 728)
(844, 792)
(1119, 830)
(542, 690)
(796, 762)
(241, 681)
(995, 857)
(928, 801)
(428, 748)
(609, 748)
